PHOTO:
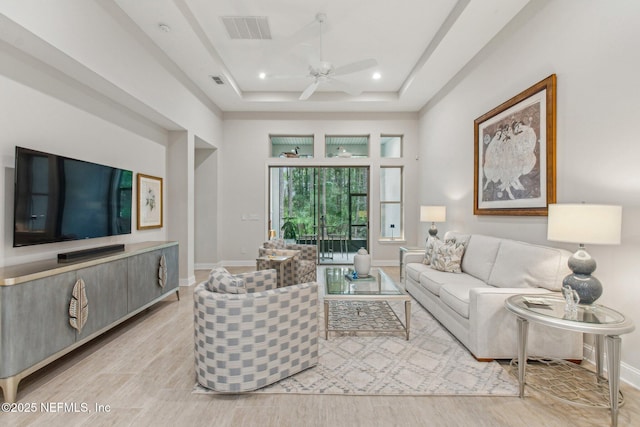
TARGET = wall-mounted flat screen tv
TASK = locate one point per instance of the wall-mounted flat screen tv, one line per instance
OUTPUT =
(58, 199)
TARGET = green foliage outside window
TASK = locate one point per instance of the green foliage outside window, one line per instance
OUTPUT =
(343, 199)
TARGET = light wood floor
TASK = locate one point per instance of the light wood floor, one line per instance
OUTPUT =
(143, 370)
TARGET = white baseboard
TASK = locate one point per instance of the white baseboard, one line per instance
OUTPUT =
(385, 263)
(206, 266)
(240, 263)
(191, 280)
(628, 374)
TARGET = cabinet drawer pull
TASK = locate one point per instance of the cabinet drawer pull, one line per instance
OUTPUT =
(78, 306)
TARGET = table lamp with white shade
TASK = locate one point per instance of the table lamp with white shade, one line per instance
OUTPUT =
(433, 214)
(584, 224)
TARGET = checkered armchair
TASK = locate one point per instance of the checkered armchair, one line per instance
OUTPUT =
(303, 267)
(245, 341)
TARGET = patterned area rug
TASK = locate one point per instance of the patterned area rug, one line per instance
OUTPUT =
(356, 316)
(432, 362)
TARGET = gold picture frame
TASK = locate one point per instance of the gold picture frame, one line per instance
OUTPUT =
(149, 202)
(515, 154)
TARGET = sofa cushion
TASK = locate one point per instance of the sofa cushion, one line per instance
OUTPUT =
(480, 255)
(414, 270)
(428, 252)
(433, 280)
(456, 296)
(223, 282)
(447, 256)
(521, 265)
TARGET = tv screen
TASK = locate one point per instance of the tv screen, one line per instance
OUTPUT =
(59, 199)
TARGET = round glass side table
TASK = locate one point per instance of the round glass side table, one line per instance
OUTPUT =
(605, 324)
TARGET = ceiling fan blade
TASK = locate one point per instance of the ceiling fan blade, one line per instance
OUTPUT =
(344, 87)
(355, 67)
(309, 91)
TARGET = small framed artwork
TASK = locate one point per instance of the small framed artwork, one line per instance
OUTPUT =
(515, 154)
(149, 202)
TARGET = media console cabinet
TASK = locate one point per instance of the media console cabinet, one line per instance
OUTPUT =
(47, 308)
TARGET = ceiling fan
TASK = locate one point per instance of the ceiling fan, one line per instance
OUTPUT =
(323, 72)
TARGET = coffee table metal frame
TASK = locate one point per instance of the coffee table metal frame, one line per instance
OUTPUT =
(604, 323)
(383, 289)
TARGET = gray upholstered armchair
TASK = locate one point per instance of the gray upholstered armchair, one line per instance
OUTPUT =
(255, 335)
(303, 267)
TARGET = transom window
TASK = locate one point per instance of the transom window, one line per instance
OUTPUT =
(391, 146)
(347, 146)
(291, 146)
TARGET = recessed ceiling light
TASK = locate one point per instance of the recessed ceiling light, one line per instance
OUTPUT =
(376, 76)
(164, 27)
(262, 76)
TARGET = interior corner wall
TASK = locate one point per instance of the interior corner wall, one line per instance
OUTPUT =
(179, 193)
(592, 47)
(206, 208)
(32, 119)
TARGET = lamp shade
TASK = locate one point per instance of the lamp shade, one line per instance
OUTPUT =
(585, 224)
(433, 213)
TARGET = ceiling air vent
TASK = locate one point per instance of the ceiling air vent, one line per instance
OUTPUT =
(247, 27)
(218, 80)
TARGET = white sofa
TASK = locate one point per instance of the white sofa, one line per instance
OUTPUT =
(471, 304)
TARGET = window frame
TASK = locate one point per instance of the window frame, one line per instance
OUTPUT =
(401, 145)
(400, 202)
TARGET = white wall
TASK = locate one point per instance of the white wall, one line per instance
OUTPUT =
(31, 119)
(99, 36)
(592, 47)
(246, 153)
(206, 207)
(98, 89)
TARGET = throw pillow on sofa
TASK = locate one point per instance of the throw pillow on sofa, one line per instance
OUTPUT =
(223, 282)
(447, 256)
(428, 252)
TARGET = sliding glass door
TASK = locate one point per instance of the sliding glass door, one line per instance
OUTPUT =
(324, 206)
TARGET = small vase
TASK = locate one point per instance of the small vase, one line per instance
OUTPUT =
(362, 262)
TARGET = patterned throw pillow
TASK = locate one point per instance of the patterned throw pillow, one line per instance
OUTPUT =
(447, 256)
(428, 252)
(223, 282)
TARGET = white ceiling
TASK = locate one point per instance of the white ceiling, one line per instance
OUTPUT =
(419, 46)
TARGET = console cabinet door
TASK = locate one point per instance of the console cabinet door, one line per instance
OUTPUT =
(34, 321)
(143, 284)
(106, 290)
(173, 278)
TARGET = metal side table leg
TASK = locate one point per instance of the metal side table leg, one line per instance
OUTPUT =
(613, 366)
(598, 341)
(523, 331)
(326, 320)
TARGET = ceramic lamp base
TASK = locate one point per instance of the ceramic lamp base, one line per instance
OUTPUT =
(587, 286)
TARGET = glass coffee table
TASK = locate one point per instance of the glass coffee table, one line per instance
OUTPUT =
(377, 287)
